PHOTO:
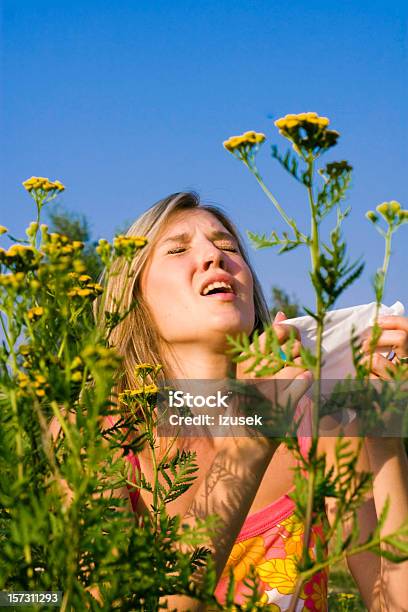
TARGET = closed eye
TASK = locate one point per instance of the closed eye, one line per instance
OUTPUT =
(223, 247)
(227, 247)
(176, 250)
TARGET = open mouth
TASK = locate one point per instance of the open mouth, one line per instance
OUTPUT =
(217, 287)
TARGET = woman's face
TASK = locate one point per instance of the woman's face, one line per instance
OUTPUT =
(193, 252)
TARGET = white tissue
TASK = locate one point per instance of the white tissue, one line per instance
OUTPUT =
(336, 347)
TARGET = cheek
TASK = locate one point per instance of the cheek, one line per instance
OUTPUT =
(162, 290)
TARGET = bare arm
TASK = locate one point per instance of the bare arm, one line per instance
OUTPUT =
(383, 585)
(389, 465)
(364, 567)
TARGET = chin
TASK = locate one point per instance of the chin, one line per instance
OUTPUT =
(233, 325)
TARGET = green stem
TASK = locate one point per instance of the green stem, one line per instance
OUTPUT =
(269, 194)
(367, 546)
(380, 294)
(315, 259)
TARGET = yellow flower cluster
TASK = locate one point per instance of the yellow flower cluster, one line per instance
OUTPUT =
(245, 141)
(38, 383)
(77, 367)
(3, 229)
(32, 229)
(60, 244)
(85, 288)
(35, 313)
(144, 392)
(62, 253)
(390, 211)
(39, 183)
(15, 281)
(142, 369)
(20, 257)
(88, 290)
(308, 133)
(346, 597)
(104, 250)
(127, 246)
(26, 351)
(106, 358)
(290, 121)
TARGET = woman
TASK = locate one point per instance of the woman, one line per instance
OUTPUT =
(181, 322)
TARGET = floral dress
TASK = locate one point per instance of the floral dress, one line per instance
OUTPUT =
(270, 540)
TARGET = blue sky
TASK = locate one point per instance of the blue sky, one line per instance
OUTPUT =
(129, 101)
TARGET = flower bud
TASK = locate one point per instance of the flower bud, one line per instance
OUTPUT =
(371, 216)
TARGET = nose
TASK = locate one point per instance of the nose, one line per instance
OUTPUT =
(212, 257)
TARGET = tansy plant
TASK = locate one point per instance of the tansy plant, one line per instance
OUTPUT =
(331, 274)
(65, 439)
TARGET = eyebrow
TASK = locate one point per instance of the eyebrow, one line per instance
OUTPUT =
(185, 237)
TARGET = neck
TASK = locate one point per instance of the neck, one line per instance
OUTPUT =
(189, 361)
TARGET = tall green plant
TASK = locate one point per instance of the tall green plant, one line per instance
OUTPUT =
(65, 520)
(331, 274)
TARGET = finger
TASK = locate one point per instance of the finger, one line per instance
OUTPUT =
(294, 349)
(298, 386)
(284, 331)
(393, 322)
(280, 316)
(290, 372)
(380, 366)
(396, 338)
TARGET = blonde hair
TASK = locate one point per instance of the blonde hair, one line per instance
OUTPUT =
(136, 338)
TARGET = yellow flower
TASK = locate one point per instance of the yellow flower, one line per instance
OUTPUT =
(35, 313)
(90, 290)
(392, 212)
(280, 574)
(395, 206)
(23, 380)
(19, 250)
(130, 394)
(371, 216)
(59, 185)
(146, 368)
(3, 229)
(14, 281)
(345, 596)
(24, 349)
(127, 246)
(294, 540)
(245, 142)
(243, 555)
(39, 183)
(76, 363)
(35, 284)
(308, 132)
(79, 266)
